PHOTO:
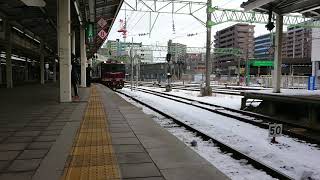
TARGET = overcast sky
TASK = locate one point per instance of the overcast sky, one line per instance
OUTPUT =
(138, 22)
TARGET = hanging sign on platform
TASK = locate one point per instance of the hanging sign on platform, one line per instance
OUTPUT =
(102, 34)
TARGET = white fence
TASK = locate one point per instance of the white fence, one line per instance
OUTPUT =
(290, 82)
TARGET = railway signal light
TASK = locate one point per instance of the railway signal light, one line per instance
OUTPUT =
(168, 57)
(270, 24)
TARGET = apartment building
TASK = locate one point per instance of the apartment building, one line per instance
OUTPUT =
(237, 36)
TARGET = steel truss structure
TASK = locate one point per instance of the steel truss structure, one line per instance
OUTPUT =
(232, 51)
(219, 15)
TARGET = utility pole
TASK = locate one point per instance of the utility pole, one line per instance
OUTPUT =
(131, 58)
(168, 58)
(208, 91)
(247, 68)
(239, 66)
(137, 72)
(175, 60)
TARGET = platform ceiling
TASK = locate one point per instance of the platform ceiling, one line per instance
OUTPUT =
(41, 22)
(308, 8)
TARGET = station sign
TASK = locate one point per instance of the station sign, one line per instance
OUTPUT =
(275, 130)
(89, 29)
(311, 83)
(262, 63)
(102, 34)
(102, 23)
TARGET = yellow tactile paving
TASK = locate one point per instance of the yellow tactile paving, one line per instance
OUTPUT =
(92, 156)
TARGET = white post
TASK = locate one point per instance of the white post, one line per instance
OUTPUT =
(175, 60)
(137, 72)
(8, 55)
(315, 69)
(131, 58)
(83, 57)
(278, 54)
(64, 44)
(41, 62)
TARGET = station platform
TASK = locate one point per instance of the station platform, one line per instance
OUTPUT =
(292, 105)
(288, 95)
(35, 130)
(102, 136)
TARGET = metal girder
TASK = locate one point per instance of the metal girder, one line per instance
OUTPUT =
(220, 16)
(165, 6)
(250, 6)
(233, 51)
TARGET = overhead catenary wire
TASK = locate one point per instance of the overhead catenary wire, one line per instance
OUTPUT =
(139, 19)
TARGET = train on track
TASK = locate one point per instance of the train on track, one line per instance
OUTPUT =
(110, 73)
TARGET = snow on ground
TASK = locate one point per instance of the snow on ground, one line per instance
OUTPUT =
(214, 84)
(218, 99)
(235, 169)
(289, 156)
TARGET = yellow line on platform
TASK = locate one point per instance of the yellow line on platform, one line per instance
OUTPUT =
(92, 156)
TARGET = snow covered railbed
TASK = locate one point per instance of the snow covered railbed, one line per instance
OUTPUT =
(235, 169)
(289, 156)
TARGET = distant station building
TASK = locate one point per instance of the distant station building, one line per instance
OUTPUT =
(263, 46)
(179, 52)
(146, 56)
(298, 42)
(296, 51)
(264, 51)
(237, 36)
(153, 72)
(195, 63)
(178, 58)
(120, 49)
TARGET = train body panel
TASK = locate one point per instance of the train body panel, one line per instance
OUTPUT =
(111, 74)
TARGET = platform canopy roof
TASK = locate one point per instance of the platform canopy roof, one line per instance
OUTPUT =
(309, 8)
(38, 18)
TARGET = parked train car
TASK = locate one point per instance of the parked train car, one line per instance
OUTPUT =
(110, 73)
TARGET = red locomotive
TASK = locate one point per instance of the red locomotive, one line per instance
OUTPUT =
(111, 73)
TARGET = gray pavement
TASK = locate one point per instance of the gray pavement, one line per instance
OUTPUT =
(35, 130)
(145, 150)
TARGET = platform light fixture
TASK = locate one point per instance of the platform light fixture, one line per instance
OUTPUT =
(312, 9)
(78, 12)
(36, 3)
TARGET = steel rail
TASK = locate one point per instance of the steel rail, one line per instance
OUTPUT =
(223, 147)
(259, 120)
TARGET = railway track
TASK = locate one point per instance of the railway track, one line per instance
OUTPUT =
(228, 92)
(234, 153)
(214, 90)
(305, 133)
